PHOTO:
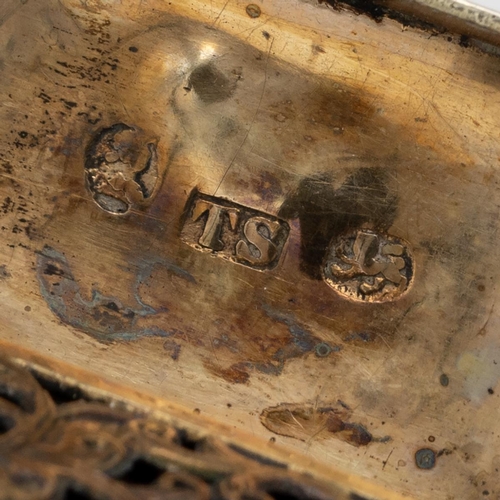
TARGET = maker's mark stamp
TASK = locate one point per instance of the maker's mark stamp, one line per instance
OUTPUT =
(234, 232)
(369, 267)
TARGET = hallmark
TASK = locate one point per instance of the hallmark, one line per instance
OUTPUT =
(121, 168)
(234, 232)
(368, 267)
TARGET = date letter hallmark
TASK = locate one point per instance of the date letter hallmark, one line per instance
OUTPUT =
(368, 267)
(234, 232)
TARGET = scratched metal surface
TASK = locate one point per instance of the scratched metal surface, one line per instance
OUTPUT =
(284, 216)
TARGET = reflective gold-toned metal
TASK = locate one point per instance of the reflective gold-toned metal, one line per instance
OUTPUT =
(283, 214)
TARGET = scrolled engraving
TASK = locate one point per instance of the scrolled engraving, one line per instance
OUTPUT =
(121, 168)
(369, 267)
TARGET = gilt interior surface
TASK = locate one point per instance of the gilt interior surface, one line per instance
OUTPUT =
(340, 142)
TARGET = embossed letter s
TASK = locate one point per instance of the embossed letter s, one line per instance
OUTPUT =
(255, 232)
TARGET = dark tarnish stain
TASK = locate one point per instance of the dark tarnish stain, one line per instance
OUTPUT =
(227, 127)
(253, 10)
(325, 212)
(4, 274)
(224, 342)
(354, 433)
(236, 374)
(211, 85)
(305, 421)
(464, 41)
(376, 11)
(268, 187)
(302, 342)
(425, 458)
(276, 336)
(360, 337)
(173, 348)
(317, 49)
(104, 318)
(444, 380)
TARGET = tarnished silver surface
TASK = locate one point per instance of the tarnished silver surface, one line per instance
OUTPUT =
(282, 214)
